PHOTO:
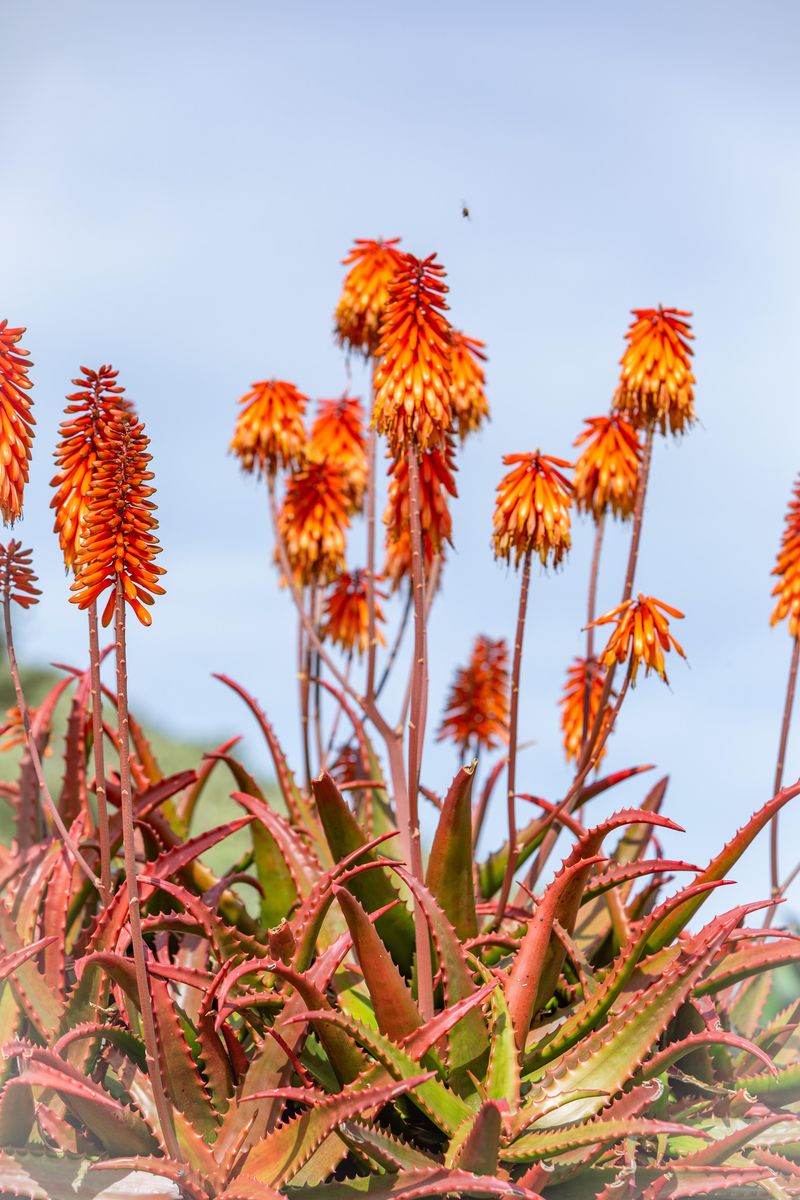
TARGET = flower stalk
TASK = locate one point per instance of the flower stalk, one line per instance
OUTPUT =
(98, 751)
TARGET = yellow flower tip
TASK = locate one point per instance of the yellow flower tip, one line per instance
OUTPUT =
(641, 635)
(468, 385)
(413, 376)
(476, 713)
(437, 485)
(346, 614)
(607, 469)
(365, 292)
(313, 521)
(787, 568)
(656, 386)
(532, 509)
(269, 430)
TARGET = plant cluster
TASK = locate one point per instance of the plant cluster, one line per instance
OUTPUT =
(336, 1013)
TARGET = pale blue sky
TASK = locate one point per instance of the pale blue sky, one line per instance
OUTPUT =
(179, 183)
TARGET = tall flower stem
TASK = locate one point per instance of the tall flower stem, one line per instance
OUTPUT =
(132, 885)
(774, 846)
(304, 677)
(591, 611)
(638, 513)
(511, 792)
(419, 678)
(98, 751)
(372, 646)
(33, 749)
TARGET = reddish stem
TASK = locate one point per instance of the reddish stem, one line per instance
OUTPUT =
(371, 632)
(511, 793)
(787, 720)
(590, 615)
(98, 750)
(132, 885)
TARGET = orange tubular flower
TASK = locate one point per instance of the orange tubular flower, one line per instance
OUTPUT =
(413, 378)
(17, 580)
(313, 521)
(656, 384)
(532, 511)
(436, 483)
(88, 409)
(641, 635)
(119, 539)
(338, 435)
(581, 677)
(468, 390)
(607, 471)
(16, 422)
(787, 568)
(476, 712)
(346, 621)
(269, 430)
(365, 292)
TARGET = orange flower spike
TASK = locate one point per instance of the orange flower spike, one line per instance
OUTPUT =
(269, 429)
(580, 677)
(787, 568)
(468, 389)
(532, 510)
(346, 617)
(17, 580)
(641, 635)
(16, 422)
(656, 384)
(365, 292)
(476, 712)
(413, 376)
(337, 434)
(119, 538)
(313, 521)
(437, 483)
(607, 470)
(99, 397)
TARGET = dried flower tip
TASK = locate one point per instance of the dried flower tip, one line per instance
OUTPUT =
(607, 470)
(119, 539)
(16, 575)
(269, 429)
(582, 677)
(656, 382)
(346, 617)
(468, 388)
(532, 510)
(98, 399)
(313, 521)
(16, 422)
(476, 713)
(641, 635)
(338, 435)
(436, 484)
(413, 378)
(365, 292)
(787, 568)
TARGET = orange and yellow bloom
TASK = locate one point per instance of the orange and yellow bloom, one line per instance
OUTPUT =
(436, 484)
(413, 376)
(346, 615)
(787, 568)
(532, 510)
(337, 434)
(365, 292)
(16, 422)
(313, 521)
(582, 678)
(476, 713)
(656, 384)
(607, 470)
(641, 635)
(468, 388)
(269, 429)
(119, 541)
(87, 411)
